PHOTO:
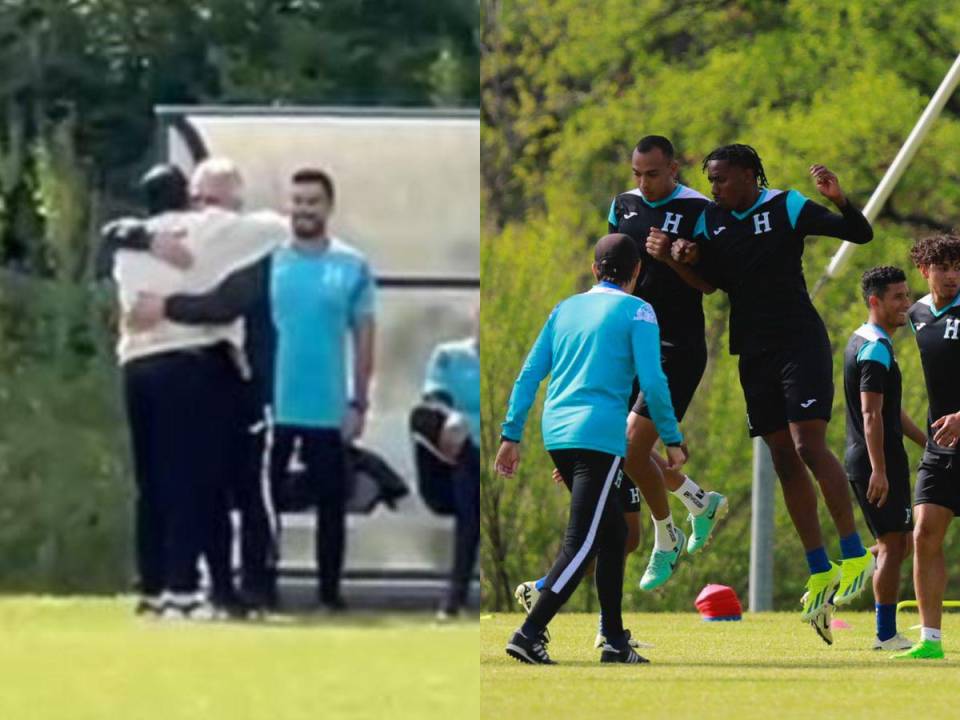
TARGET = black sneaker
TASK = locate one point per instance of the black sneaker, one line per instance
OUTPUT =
(526, 650)
(621, 652)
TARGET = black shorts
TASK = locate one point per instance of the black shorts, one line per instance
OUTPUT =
(938, 481)
(896, 515)
(785, 386)
(629, 495)
(683, 365)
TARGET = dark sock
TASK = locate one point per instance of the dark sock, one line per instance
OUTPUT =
(851, 547)
(818, 561)
(886, 621)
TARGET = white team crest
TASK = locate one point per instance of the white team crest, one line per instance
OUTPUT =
(646, 314)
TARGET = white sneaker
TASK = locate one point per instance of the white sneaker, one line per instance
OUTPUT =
(897, 642)
(527, 595)
(187, 606)
(600, 641)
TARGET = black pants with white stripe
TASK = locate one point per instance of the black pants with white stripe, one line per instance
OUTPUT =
(176, 412)
(596, 527)
(252, 497)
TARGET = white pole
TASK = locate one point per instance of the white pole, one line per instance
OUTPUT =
(901, 162)
(761, 528)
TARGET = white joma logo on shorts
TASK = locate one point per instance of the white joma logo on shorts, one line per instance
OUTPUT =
(808, 403)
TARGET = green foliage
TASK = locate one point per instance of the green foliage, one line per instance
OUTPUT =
(567, 89)
(64, 481)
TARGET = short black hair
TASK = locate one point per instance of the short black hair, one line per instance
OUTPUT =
(940, 249)
(164, 188)
(315, 175)
(650, 142)
(742, 156)
(876, 280)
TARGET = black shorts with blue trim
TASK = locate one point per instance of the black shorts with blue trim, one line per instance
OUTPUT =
(938, 481)
(785, 386)
(896, 514)
(683, 365)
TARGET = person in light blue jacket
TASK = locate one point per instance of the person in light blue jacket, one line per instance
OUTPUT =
(593, 346)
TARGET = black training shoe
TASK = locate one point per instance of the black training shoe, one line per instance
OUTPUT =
(621, 652)
(526, 650)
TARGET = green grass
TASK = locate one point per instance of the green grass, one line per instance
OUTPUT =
(766, 666)
(86, 659)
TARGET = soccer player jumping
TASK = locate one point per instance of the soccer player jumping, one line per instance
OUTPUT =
(935, 320)
(749, 243)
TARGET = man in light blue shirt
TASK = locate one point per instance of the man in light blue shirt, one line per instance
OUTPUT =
(453, 380)
(322, 305)
(592, 346)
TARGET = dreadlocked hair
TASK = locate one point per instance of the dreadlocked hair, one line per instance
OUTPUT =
(742, 156)
(941, 249)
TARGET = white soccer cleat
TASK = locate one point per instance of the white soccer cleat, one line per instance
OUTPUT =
(527, 595)
(600, 641)
(897, 642)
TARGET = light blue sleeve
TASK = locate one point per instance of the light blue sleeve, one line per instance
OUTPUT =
(537, 366)
(700, 229)
(363, 299)
(875, 351)
(645, 335)
(612, 217)
(795, 203)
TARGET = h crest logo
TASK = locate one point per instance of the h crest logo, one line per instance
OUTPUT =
(761, 223)
(634, 495)
(671, 223)
(619, 478)
(953, 329)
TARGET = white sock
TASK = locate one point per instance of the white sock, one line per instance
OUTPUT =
(930, 634)
(692, 496)
(664, 534)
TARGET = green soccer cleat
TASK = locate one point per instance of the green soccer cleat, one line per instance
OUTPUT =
(820, 588)
(704, 523)
(662, 564)
(855, 574)
(923, 650)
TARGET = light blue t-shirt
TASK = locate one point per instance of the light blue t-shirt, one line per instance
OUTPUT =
(454, 368)
(316, 299)
(592, 346)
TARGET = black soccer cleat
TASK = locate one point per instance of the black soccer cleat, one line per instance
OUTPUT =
(621, 652)
(531, 651)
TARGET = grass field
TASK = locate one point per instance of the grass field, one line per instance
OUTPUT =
(766, 666)
(92, 660)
